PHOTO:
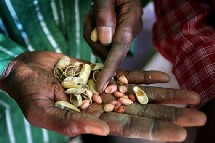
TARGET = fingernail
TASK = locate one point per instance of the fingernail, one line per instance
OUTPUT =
(106, 131)
(105, 86)
(166, 78)
(105, 35)
(100, 130)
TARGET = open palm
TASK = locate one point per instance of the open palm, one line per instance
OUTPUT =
(32, 84)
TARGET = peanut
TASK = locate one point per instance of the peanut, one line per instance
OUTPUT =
(120, 109)
(132, 97)
(96, 98)
(118, 94)
(85, 104)
(122, 79)
(125, 101)
(108, 107)
(94, 35)
(113, 102)
(110, 88)
(122, 88)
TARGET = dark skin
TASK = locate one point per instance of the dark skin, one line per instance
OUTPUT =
(32, 84)
(123, 19)
(128, 11)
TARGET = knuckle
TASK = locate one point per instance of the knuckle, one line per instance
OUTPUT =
(74, 127)
(104, 16)
(127, 35)
(127, 128)
(72, 130)
(139, 11)
(101, 14)
(136, 9)
(70, 125)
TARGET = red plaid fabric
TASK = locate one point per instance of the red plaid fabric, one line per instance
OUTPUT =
(184, 36)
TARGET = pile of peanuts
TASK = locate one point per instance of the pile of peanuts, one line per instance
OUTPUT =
(79, 79)
(123, 99)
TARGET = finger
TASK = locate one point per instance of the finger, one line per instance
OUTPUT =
(111, 64)
(129, 24)
(104, 15)
(68, 123)
(144, 77)
(168, 95)
(96, 47)
(179, 116)
(147, 128)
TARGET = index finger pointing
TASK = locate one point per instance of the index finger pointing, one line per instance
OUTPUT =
(129, 23)
(111, 64)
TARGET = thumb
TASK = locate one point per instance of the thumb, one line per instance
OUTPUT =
(69, 123)
(105, 19)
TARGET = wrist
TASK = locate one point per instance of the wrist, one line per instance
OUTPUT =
(4, 76)
(10, 66)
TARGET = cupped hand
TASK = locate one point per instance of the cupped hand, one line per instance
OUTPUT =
(117, 23)
(32, 84)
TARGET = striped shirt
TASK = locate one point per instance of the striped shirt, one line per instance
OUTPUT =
(43, 25)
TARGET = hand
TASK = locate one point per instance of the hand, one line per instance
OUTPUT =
(32, 84)
(117, 22)
(152, 121)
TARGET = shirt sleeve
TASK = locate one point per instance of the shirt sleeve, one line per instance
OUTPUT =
(185, 36)
(8, 49)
